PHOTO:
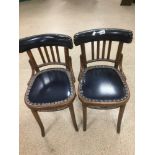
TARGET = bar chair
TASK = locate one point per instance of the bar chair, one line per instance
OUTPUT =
(102, 86)
(49, 89)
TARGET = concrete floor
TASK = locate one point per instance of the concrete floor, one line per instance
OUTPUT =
(69, 17)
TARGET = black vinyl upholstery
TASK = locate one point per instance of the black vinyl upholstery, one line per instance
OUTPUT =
(36, 41)
(50, 86)
(102, 83)
(103, 34)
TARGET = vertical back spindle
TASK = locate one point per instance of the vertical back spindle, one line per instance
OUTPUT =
(52, 53)
(57, 51)
(109, 49)
(92, 49)
(41, 54)
(98, 49)
(47, 55)
(103, 49)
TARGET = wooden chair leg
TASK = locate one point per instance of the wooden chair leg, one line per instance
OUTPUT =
(71, 108)
(36, 116)
(79, 77)
(73, 75)
(80, 74)
(120, 116)
(84, 118)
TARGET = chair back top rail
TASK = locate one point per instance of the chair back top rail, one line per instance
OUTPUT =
(25, 44)
(111, 34)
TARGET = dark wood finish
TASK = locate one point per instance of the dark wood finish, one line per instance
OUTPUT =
(66, 52)
(98, 49)
(119, 55)
(84, 117)
(109, 49)
(51, 63)
(32, 60)
(52, 53)
(36, 116)
(73, 116)
(120, 116)
(103, 49)
(120, 65)
(60, 105)
(41, 54)
(83, 56)
(32, 69)
(47, 55)
(117, 65)
(92, 49)
(57, 51)
(68, 61)
(109, 60)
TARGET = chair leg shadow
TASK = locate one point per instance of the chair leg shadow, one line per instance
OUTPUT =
(91, 122)
(50, 126)
(49, 147)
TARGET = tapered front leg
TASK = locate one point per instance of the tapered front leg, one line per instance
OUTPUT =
(36, 116)
(84, 118)
(120, 116)
(71, 108)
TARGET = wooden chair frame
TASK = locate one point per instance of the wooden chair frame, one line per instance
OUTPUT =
(102, 35)
(51, 40)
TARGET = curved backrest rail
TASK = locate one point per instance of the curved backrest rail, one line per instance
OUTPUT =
(109, 60)
(51, 63)
(42, 40)
(112, 34)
